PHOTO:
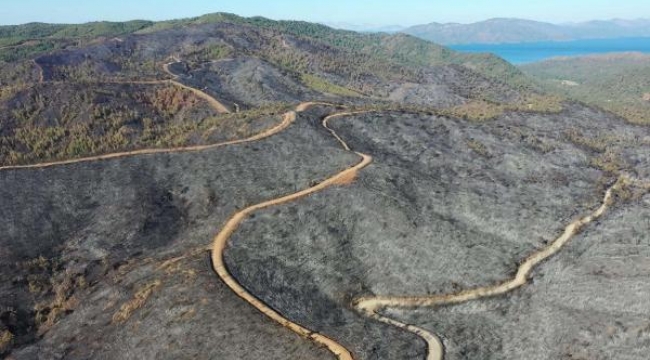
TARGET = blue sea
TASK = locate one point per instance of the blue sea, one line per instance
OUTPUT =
(531, 52)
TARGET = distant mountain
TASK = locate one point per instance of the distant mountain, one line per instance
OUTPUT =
(518, 30)
(387, 29)
(367, 28)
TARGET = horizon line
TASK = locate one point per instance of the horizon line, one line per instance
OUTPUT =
(331, 23)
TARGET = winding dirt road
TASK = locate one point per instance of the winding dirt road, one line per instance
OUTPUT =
(287, 119)
(212, 101)
(220, 242)
(216, 104)
(221, 108)
(371, 306)
(368, 306)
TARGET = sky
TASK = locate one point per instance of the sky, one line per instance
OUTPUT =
(358, 12)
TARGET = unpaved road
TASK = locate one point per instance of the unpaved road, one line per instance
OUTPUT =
(369, 306)
(221, 108)
(220, 243)
(287, 119)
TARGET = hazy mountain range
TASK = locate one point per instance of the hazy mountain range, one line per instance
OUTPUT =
(504, 30)
(371, 28)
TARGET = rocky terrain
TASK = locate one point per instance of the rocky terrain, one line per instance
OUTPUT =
(466, 173)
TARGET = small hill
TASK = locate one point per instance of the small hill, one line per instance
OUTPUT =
(374, 49)
(15, 34)
(616, 82)
(245, 63)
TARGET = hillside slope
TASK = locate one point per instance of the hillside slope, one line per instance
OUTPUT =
(618, 82)
(251, 66)
(129, 153)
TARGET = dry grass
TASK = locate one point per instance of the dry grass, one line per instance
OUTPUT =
(539, 103)
(172, 265)
(476, 111)
(324, 86)
(480, 110)
(139, 299)
(6, 339)
(63, 302)
(634, 112)
(632, 190)
(624, 193)
(54, 288)
(175, 265)
(609, 162)
(187, 315)
(479, 148)
(600, 143)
